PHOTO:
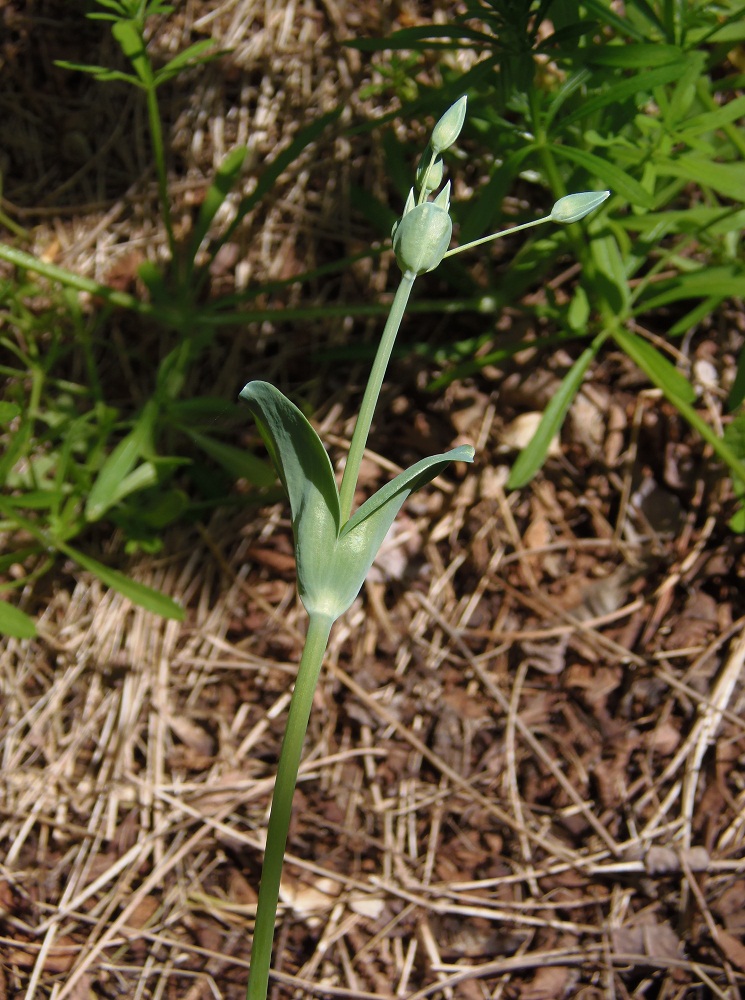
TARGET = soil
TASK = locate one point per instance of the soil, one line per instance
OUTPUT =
(524, 774)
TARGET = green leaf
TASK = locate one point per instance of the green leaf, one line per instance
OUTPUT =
(531, 458)
(617, 180)
(15, 622)
(305, 471)
(656, 367)
(363, 534)
(8, 412)
(711, 120)
(239, 463)
(133, 46)
(621, 91)
(138, 593)
(192, 56)
(610, 276)
(727, 179)
(640, 56)
(408, 38)
(225, 178)
(720, 282)
(101, 73)
(332, 561)
(105, 490)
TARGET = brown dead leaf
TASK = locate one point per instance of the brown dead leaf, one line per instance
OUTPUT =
(548, 983)
(731, 907)
(731, 947)
(240, 890)
(143, 913)
(520, 432)
(658, 941)
(60, 957)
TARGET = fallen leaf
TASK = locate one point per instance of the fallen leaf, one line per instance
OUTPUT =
(732, 948)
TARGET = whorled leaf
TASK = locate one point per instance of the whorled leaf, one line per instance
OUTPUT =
(332, 559)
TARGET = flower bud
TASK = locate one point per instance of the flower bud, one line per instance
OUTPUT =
(573, 207)
(422, 238)
(433, 174)
(447, 130)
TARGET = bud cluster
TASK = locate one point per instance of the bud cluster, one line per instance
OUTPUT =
(422, 235)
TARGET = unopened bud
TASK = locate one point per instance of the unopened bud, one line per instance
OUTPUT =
(422, 238)
(431, 174)
(573, 207)
(447, 130)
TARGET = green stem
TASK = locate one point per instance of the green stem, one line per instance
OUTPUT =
(156, 136)
(372, 392)
(319, 629)
(497, 236)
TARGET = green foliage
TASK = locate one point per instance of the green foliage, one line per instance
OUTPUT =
(566, 91)
(333, 557)
(71, 459)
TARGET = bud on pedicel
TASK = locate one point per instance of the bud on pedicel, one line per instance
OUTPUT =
(447, 130)
(573, 207)
(433, 173)
(422, 238)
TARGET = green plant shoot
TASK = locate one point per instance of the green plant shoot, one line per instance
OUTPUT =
(335, 548)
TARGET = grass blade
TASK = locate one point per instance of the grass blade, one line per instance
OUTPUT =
(533, 456)
(146, 597)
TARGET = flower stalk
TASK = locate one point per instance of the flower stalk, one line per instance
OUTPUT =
(334, 548)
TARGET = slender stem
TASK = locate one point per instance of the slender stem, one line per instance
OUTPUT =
(316, 640)
(372, 392)
(497, 236)
(156, 136)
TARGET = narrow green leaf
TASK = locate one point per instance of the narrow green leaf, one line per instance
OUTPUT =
(610, 274)
(409, 38)
(711, 120)
(723, 282)
(15, 622)
(656, 367)
(727, 179)
(737, 392)
(407, 482)
(642, 55)
(305, 470)
(105, 490)
(194, 55)
(621, 91)
(617, 180)
(363, 534)
(101, 73)
(239, 463)
(138, 593)
(531, 458)
(133, 46)
(223, 183)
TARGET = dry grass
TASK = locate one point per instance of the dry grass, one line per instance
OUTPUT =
(524, 772)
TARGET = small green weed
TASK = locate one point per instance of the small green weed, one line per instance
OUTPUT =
(74, 454)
